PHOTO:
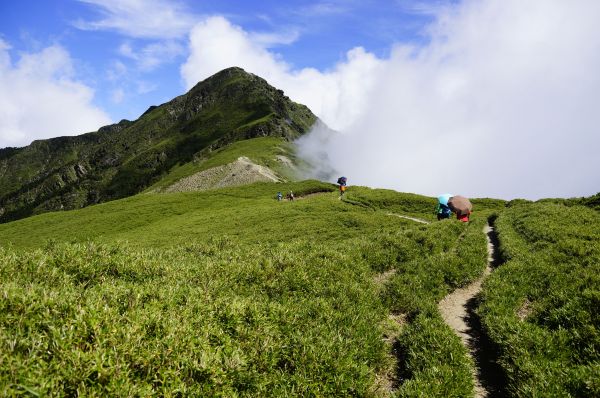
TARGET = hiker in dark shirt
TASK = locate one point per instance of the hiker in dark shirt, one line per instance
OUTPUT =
(442, 209)
(342, 182)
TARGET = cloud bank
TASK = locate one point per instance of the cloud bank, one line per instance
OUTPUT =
(39, 98)
(148, 19)
(501, 102)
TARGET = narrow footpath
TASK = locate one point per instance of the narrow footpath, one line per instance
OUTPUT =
(408, 218)
(458, 311)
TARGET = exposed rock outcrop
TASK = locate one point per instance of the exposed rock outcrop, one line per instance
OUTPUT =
(242, 171)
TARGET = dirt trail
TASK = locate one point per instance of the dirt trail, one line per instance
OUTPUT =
(458, 311)
(408, 218)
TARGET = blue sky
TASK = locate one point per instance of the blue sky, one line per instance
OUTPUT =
(315, 34)
(491, 98)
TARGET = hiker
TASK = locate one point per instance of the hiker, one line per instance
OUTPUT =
(442, 209)
(290, 196)
(463, 217)
(279, 196)
(461, 206)
(342, 182)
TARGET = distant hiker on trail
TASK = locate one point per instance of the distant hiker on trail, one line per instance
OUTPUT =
(461, 206)
(342, 182)
(442, 210)
(290, 196)
(279, 196)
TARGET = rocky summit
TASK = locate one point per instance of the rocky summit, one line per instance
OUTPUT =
(124, 158)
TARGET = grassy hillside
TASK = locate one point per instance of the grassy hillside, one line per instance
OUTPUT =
(123, 159)
(263, 151)
(249, 214)
(231, 293)
(541, 306)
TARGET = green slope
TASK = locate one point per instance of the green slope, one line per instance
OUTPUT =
(231, 293)
(541, 306)
(123, 159)
(226, 292)
(250, 214)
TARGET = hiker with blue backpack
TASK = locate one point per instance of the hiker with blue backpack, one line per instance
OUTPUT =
(342, 182)
(442, 209)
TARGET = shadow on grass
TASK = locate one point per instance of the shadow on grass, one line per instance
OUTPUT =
(497, 259)
(485, 354)
(400, 353)
(402, 374)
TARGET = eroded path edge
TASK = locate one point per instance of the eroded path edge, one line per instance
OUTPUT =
(458, 311)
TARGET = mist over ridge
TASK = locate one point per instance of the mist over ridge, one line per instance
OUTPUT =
(500, 102)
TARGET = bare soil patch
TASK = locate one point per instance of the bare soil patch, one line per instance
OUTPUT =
(525, 310)
(382, 278)
(241, 172)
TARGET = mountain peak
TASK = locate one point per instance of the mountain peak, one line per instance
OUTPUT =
(124, 158)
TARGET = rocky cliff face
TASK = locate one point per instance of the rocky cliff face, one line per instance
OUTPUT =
(122, 159)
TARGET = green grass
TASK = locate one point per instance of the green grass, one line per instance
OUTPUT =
(541, 306)
(249, 214)
(413, 204)
(204, 319)
(226, 292)
(436, 363)
(231, 293)
(443, 256)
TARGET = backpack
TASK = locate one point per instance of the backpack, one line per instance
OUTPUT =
(341, 181)
(445, 210)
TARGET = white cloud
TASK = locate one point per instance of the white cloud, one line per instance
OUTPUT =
(153, 55)
(502, 101)
(39, 98)
(326, 8)
(4, 56)
(149, 19)
(272, 39)
(216, 44)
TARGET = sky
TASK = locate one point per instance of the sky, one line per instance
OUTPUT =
(497, 98)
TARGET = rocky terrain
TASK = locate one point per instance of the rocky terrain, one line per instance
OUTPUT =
(242, 171)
